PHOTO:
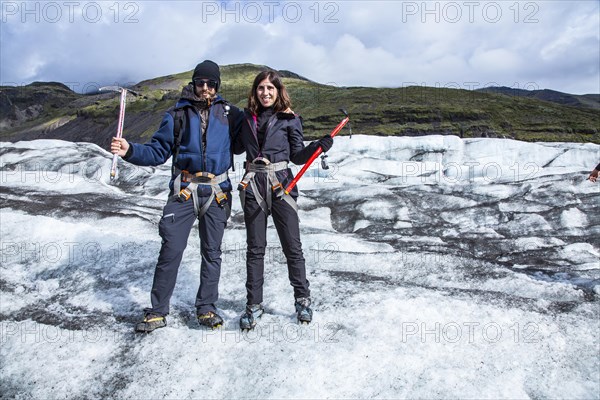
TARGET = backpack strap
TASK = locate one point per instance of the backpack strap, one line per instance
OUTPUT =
(231, 119)
(179, 120)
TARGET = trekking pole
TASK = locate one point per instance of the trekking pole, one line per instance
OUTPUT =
(319, 150)
(123, 91)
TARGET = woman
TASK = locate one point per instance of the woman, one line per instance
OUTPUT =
(271, 135)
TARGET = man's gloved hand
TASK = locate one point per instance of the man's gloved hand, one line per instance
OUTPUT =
(325, 142)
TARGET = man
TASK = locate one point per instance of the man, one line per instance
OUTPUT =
(198, 134)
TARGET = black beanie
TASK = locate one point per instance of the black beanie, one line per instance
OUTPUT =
(207, 69)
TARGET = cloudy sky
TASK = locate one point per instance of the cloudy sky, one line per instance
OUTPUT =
(466, 44)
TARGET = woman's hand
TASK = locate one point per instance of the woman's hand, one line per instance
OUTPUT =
(325, 142)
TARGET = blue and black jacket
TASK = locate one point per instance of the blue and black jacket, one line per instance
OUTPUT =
(216, 158)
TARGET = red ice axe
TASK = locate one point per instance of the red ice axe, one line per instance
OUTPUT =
(123, 91)
(316, 154)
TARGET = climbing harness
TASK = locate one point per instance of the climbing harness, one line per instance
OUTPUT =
(261, 165)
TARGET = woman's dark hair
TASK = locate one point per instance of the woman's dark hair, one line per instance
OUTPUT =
(282, 102)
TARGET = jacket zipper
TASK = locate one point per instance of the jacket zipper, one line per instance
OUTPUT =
(254, 129)
(269, 125)
(202, 146)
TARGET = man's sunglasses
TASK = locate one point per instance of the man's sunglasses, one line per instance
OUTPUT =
(210, 83)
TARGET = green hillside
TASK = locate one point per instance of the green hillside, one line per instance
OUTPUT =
(51, 110)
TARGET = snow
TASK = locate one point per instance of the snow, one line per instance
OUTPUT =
(573, 218)
(439, 268)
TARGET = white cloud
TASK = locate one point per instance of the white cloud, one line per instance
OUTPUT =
(495, 61)
(376, 43)
(581, 29)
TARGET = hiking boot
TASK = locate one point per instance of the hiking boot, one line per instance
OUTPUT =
(210, 320)
(250, 316)
(303, 310)
(151, 322)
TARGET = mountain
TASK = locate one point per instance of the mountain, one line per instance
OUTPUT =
(574, 100)
(439, 267)
(20, 104)
(51, 110)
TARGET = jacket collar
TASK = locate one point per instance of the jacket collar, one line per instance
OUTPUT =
(279, 115)
(187, 103)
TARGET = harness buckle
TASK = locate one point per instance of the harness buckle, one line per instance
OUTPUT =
(185, 194)
(261, 161)
(201, 177)
(278, 190)
(220, 197)
(242, 185)
(203, 174)
(186, 176)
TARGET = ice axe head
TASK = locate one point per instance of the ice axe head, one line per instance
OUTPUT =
(118, 89)
(347, 116)
(111, 89)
